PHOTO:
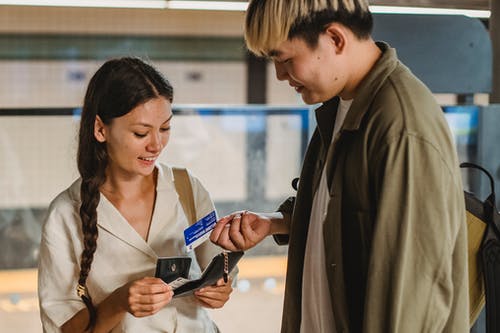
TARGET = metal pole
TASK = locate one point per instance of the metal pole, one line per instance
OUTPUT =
(494, 26)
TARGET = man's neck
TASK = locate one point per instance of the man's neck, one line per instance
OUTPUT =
(364, 56)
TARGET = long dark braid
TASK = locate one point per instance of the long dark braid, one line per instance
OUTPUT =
(115, 89)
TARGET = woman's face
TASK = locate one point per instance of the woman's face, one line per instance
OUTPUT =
(134, 141)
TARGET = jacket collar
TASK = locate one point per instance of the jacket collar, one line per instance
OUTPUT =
(366, 91)
(325, 118)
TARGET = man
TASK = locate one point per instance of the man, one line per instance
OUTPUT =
(377, 232)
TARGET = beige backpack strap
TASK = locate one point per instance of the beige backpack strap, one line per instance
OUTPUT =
(205, 252)
(185, 192)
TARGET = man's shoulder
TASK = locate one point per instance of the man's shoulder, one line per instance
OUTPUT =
(404, 106)
(405, 101)
(404, 89)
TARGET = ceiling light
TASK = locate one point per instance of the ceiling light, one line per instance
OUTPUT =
(157, 4)
(227, 5)
(429, 11)
(208, 5)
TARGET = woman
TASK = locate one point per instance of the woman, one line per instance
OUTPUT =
(103, 235)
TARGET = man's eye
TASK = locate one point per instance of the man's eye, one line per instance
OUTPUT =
(165, 129)
(139, 135)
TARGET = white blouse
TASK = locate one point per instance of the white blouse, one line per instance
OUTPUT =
(122, 255)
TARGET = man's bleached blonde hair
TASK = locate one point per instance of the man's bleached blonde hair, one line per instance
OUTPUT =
(271, 22)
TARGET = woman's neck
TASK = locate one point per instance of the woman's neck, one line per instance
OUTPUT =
(119, 186)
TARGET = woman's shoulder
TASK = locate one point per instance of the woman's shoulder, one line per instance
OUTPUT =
(66, 201)
(166, 172)
(162, 167)
(200, 194)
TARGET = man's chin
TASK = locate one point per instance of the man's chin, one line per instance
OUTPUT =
(310, 100)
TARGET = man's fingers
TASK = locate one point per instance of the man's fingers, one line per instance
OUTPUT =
(219, 228)
(246, 227)
(253, 233)
(220, 234)
(225, 241)
(235, 233)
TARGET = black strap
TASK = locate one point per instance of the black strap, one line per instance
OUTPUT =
(490, 254)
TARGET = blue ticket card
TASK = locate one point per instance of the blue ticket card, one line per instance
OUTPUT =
(199, 232)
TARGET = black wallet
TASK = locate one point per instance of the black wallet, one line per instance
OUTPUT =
(171, 268)
(214, 271)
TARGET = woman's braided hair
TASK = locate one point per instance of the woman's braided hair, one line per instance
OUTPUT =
(117, 87)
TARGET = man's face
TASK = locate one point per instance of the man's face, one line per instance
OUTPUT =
(318, 74)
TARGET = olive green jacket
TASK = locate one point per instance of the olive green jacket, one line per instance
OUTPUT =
(395, 233)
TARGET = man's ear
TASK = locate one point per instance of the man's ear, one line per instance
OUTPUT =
(338, 35)
(99, 130)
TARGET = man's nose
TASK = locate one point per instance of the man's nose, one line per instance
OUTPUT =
(281, 73)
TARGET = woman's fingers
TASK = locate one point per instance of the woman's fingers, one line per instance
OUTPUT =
(147, 296)
(215, 296)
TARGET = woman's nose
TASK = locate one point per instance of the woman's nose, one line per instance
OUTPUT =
(155, 144)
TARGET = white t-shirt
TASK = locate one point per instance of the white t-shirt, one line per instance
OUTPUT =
(122, 255)
(317, 311)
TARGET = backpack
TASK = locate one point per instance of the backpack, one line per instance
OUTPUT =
(483, 228)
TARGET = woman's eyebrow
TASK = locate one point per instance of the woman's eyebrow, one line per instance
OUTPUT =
(149, 125)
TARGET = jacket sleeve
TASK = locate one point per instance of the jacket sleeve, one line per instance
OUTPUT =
(286, 208)
(417, 274)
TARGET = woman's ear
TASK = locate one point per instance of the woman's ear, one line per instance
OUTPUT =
(338, 35)
(99, 130)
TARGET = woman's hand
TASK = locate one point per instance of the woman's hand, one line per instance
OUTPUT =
(145, 297)
(215, 296)
(141, 298)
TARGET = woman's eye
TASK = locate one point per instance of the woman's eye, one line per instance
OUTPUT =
(139, 135)
(165, 129)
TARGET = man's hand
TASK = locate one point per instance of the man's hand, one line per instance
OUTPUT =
(241, 230)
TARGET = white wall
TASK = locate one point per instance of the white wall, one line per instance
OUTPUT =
(37, 159)
(113, 21)
(39, 156)
(39, 84)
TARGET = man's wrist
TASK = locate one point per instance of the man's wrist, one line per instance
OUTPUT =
(279, 224)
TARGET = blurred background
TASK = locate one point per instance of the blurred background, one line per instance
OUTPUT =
(237, 128)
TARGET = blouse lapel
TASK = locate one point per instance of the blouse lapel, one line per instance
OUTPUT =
(168, 221)
(113, 222)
